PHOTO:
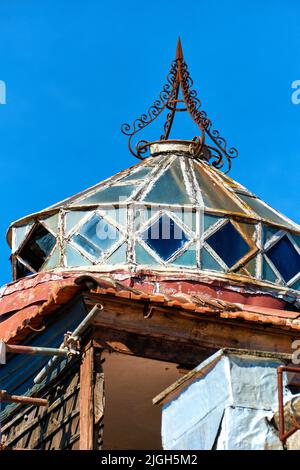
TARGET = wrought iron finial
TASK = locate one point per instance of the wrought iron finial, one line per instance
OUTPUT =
(179, 80)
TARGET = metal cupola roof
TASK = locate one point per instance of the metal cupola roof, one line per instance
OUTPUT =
(174, 212)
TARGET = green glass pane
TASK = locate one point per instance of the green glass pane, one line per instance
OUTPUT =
(265, 212)
(213, 194)
(73, 258)
(296, 238)
(267, 272)
(187, 217)
(19, 235)
(118, 256)
(210, 220)
(138, 174)
(187, 258)
(52, 223)
(170, 187)
(251, 267)
(53, 261)
(142, 256)
(268, 233)
(232, 183)
(296, 285)
(111, 194)
(119, 214)
(72, 218)
(208, 262)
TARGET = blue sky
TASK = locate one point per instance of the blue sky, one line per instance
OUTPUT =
(76, 70)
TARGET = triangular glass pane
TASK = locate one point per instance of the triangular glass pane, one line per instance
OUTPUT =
(119, 214)
(112, 194)
(73, 258)
(170, 187)
(19, 235)
(72, 218)
(187, 258)
(268, 233)
(296, 238)
(210, 220)
(296, 285)
(264, 211)
(138, 174)
(208, 262)
(52, 223)
(142, 256)
(118, 256)
(251, 266)
(267, 272)
(187, 217)
(213, 194)
(53, 261)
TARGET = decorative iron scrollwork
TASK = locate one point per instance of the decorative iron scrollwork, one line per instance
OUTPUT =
(179, 79)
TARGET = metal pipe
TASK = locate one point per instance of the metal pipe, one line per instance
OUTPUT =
(79, 330)
(6, 397)
(36, 350)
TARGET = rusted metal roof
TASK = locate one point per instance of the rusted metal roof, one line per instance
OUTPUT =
(24, 303)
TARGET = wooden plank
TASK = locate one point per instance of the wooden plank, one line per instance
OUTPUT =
(86, 402)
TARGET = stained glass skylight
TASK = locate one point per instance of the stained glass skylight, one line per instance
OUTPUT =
(285, 258)
(229, 245)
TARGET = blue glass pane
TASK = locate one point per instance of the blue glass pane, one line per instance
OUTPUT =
(209, 220)
(187, 258)
(228, 244)
(118, 256)
(138, 174)
(297, 239)
(285, 258)
(119, 214)
(296, 285)
(72, 218)
(263, 211)
(53, 261)
(111, 194)
(73, 258)
(208, 262)
(268, 273)
(188, 217)
(165, 237)
(96, 236)
(268, 233)
(170, 187)
(142, 256)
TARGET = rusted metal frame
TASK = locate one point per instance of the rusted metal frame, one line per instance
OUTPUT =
(35, 350)
(6, 397)
(79, 330)
(283, 435)
(86, 400)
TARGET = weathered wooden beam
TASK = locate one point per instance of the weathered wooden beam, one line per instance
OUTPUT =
(86, 400)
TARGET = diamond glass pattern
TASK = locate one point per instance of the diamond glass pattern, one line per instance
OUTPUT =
(96, 236)
(285, 258)
(228, 244)
(165, 237)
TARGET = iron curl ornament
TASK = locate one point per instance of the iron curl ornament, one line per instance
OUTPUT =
(216, 150)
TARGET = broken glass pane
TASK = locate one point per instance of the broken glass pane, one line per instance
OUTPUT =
(285, 258)
(170, 187)
(228, 244)
(21, 270)
(111, 194)
(96, 236)
(38, 247)
(164, 237)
